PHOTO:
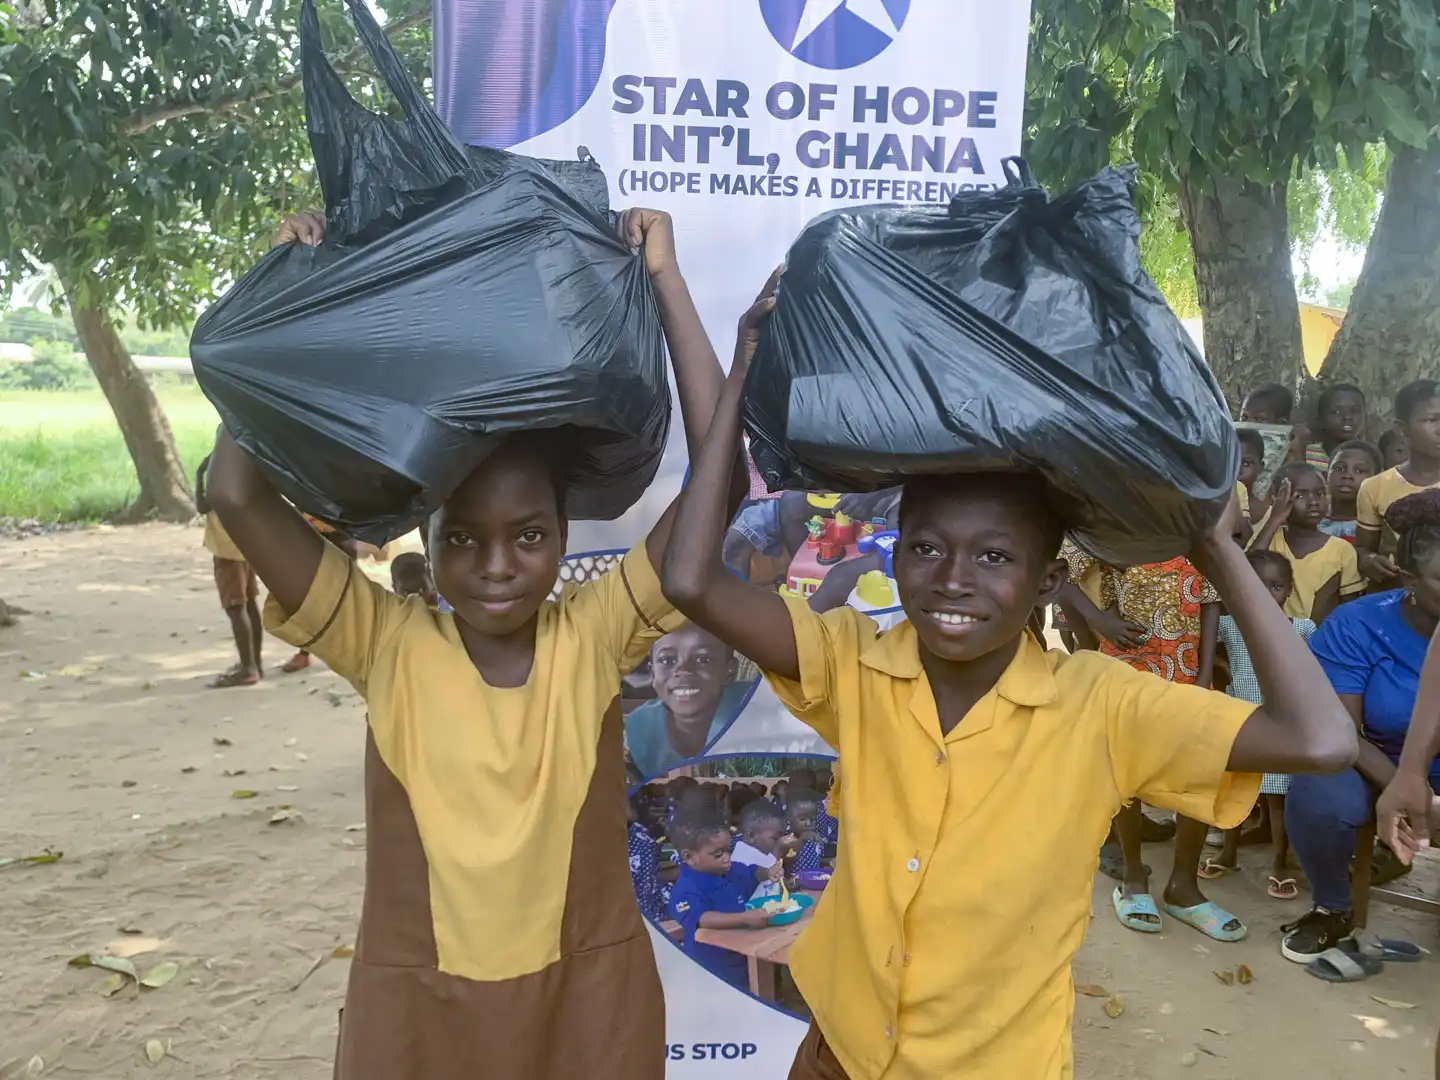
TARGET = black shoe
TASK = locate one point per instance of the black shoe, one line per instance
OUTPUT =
(1155, 832)
(1315, 932)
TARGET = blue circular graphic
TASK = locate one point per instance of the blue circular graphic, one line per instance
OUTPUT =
(834, 34)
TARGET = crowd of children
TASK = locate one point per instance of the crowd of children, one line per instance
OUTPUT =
(495, 775)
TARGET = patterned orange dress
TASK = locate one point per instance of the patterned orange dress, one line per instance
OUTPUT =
(1163, 597)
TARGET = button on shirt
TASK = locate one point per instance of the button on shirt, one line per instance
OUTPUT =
(937, 951)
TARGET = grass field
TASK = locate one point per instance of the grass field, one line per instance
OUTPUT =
(62, 457)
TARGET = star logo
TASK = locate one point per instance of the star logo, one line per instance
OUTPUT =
(834, 34)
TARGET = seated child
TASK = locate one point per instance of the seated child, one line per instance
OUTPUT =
(1341, 416)
(410, 576)
(496, 896)
(1268, 403)
(651, 893)
(938, 952)
(1326, 572)
(1354, 463)
(739, 797)
(696, 699)
(711, 893)
(1275, 571)
(1394, 449)
(804, 812)
(762, 827)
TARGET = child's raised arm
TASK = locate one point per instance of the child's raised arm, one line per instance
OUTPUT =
(751, 619)
(1302, 727)
(698, 374)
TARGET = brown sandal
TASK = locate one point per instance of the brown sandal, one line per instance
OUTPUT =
(232, 678)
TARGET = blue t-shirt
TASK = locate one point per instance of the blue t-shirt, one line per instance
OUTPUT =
(1367, 648)
(649, 743)
(694, 894)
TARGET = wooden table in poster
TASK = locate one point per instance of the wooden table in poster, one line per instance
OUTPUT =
(766, 950)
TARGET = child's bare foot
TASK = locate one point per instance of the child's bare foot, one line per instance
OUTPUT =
(299, 662)
(236, 676)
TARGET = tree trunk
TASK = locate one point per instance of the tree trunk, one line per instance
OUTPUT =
(164, 490)
(1391, 333)
(1240, 234)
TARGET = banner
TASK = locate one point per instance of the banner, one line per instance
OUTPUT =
(744, 119)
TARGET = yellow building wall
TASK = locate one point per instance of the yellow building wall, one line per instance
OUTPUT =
(1318, 327)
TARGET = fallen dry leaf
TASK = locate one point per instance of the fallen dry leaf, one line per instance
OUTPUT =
(291, 741)
(286, 787)
(232, 772)
(160, 975)
(35, 1066)
(1244, 976)
(355, 828)
(1091, 990)
(112, 985)
(128, 783)
(342, 952)
(1392, 1002)
(1226, 977)
(285, 814)
(154, 1051)
(32, 676)
(1377, 1026)
(243, 794)
(220, 740)
(1189, 1058)
(187, 768)
(45, 857)
(1114, 1007)
(147, 686)
(131, 930)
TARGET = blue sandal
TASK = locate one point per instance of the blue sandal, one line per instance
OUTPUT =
(1131, 909)
(1210, 919)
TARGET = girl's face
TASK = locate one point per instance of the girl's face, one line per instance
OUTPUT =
(1311, 501)
(1276, 581)
(1347, 472)
(1422, 429)
(1344, 416)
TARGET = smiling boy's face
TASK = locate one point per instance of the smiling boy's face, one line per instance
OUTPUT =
(971, 563)
(689, 670)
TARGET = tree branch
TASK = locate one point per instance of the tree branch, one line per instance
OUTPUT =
(146, 119)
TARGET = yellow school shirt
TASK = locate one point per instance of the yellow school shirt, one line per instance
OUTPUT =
(495, 776)
(942, 946)
(1243, 498)
(1314, 571)
(217, 540)
(1376, 495)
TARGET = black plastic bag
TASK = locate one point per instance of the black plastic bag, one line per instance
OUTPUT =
(1007, 332)
(460, 296)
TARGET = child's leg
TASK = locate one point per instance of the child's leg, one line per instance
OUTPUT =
(233, 583)
(1277, 832)
(1141, 916)
(257, 630)
(1182, 891)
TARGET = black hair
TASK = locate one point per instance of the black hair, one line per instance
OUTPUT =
(1275, 561)
(1274, 398)
(759, 814)
(1049, 519)
(738, 798)
(1415, 520)
(1388, 438)
(1292, 472)
(692, 829)
(408, 566)
(1376, 458)
(1412, 396)
(802, 797)
(1250, 435)
(799, 776)
(1327, 396)
(680, 785)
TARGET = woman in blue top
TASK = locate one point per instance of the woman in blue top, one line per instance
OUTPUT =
(1372, 650)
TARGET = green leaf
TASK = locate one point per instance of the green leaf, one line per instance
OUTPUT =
(1321, 95)
(1311, 29)
(1356, 16)
(1394, 110)
(160, 975)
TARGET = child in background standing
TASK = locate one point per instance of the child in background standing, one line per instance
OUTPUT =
(1417, 419)
(1354, 463)
(1168, 616)
(1326, 572)
(1341, 413)
(410, 576)
(1394, 449)
(1275, 571)
(239, 591)
(1268, 403)
(711, 893)
(1252, 460)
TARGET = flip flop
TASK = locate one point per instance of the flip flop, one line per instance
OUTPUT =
(1283, 888)
(1213, 868)
(1210, 919)
(1391, 950)
(1129, 909)
(1339, 965)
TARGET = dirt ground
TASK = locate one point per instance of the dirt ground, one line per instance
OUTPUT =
(121, 759)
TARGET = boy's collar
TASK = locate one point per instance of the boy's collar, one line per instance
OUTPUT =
(1027, 679)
